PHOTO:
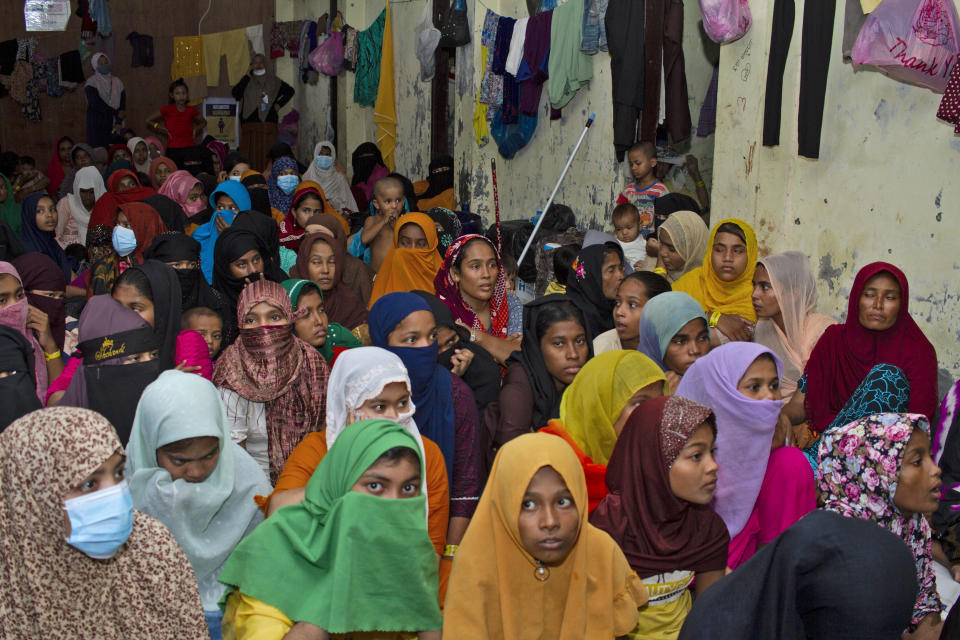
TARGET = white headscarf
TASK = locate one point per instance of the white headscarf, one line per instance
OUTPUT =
(359, 375)
(207, 518)
(86, 178)
(334, 184)
(144, 167)
(108, 86)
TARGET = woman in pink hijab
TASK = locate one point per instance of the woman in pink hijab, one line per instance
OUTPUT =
(183, 188)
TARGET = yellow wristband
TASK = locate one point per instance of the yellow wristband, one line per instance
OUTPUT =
(714, 318)
(660, 271)
(51, 356)
(450, 550)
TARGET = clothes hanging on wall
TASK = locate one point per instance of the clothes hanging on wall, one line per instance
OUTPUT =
(780, 35)
(285, 37)
(568, 68)
(510, 96)
(624, 23)
(255, 36)
(8, 56)
(594, 30)
(233, 45)
(189, 64)
(491, 84)
(675, 100)
(949, 110)
(142, 49)
(385, 107)
(369, 44)
(535, 62)
(708, 111)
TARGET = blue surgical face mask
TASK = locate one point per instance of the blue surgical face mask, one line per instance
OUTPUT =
(101, 522)
(124, 240)
(324, 162)
(288, 184)
(104, 68)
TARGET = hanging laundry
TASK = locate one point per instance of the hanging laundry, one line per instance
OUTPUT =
(8, 56)
(142, 49)
(189, 64)
(510, 104)
(349, 47)
(284, 37)
(233, 45)
(568, 68)
(255, 36)
(535, 62)
(369, 44)
(708, 112)
(71, 69)
(491, 84)
(515, 53)
(594, 30)
(949, 110)
(100, 13)
(385, 107)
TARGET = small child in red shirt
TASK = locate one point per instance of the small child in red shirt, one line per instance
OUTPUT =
(645, 187)
(180, 123)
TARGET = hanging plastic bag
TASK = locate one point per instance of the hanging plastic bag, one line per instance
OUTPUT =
(725, 20)
(911, 41)
(455, 31)
(428, 36)
(327, 58)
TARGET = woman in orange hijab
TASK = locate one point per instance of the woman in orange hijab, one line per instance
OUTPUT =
(413, 261)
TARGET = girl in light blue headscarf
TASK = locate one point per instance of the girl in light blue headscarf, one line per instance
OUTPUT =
(673, 333)
(227, 200)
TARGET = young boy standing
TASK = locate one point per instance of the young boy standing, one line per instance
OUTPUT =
(645, 187)
(374, 241)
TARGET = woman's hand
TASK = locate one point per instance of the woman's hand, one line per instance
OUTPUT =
(220, 223)
(39, 322)
(783, 434)
(461, 360)
(183, 367)
(735, 327)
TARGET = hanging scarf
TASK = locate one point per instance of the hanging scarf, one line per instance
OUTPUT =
(593, 402)
(409, 269)
(689, 236)
(48, 585)
(494, 592)
(34, 239)
(85, 178)
(273, 366)
(10, 208)
(333, 183)
(744, 426)
(105, 209)
(18, 390)
(796, 292)
(585, 287)
(339, 338)
(207, 518)
(658, 531)
(39, 273)
(449, 292)
(108, 86)
(430, 384)
(152, 173)
(299, 559)
(714, 294)
(15, 317)
(342, 305)
(662, 317)
(846, 353)
(859, 467)
(55, 169)
(278, 199)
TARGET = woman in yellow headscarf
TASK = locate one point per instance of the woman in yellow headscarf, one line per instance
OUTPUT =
(509, 582)
(413, 261)
(723, 285)
(596, 405)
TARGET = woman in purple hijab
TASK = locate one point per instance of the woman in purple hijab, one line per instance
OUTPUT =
(764, 485)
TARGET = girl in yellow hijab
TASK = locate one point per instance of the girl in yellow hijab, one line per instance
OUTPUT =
(413, 261)
(723, 285)
(531, 566)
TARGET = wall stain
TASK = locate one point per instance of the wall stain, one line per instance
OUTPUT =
(749, 158)
(828, 272)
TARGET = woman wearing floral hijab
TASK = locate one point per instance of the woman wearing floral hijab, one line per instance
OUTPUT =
(879, 468)
(65, 575)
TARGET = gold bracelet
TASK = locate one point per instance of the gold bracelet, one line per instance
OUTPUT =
(714, 319)
(51, 356)
(660, 271)
(700, 183)
(450, 550)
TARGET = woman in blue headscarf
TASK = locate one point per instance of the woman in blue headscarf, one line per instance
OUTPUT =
(227, 200)
(284, 178)
(673, 333)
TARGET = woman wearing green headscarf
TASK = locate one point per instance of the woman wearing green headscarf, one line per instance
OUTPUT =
(9, 209)
(311, 322)
(353, 558)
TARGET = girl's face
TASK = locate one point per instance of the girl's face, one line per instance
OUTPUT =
(630, 300)
(322, 267)
(250, 262)
(143, 356)
(264, 314)
(196, 193)
(126, 183)
(760, 381)
(108, 474)
(289, 171)
(612, 274)
(411, 236)
(565, 351)
(693, 476)
(123, 221)
(121, 154)
(82, 159)
(161, 174)
(11, 291)
(312, 328)
(325, 151)
(239, 169)
(63, 150)
(880, 302)
(549, 520)
(478, 272)
(131, 298)
(155, 151)
(308, 207)
(765, 302)
(46, 214)
(226, 203)
(688, 344)
(391, 403)
(416, 330)
(729, 256)
(192, 459)
(918, 487)
(179, 94)
(393, 479)
(140, 153)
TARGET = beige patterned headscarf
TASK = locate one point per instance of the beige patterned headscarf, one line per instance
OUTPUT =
(689, 234)
(49, 589)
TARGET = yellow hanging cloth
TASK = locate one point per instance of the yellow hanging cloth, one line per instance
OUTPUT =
(385, 108)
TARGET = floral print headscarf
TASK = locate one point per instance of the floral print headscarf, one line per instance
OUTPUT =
(858, 471)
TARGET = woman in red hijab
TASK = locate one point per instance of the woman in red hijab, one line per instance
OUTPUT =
(60, 163)
(878, 361)
(123, 186)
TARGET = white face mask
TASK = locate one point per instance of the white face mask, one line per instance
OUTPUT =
(259, 72)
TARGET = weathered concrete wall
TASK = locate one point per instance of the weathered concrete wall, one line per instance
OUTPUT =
(884, 187)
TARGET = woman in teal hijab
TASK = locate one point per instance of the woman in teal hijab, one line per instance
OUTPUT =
(353, 557)
(311, 323)
(673, 333)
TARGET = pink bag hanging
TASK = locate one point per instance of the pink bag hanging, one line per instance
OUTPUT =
(913, 41)
(327, 58)
(725, 20)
